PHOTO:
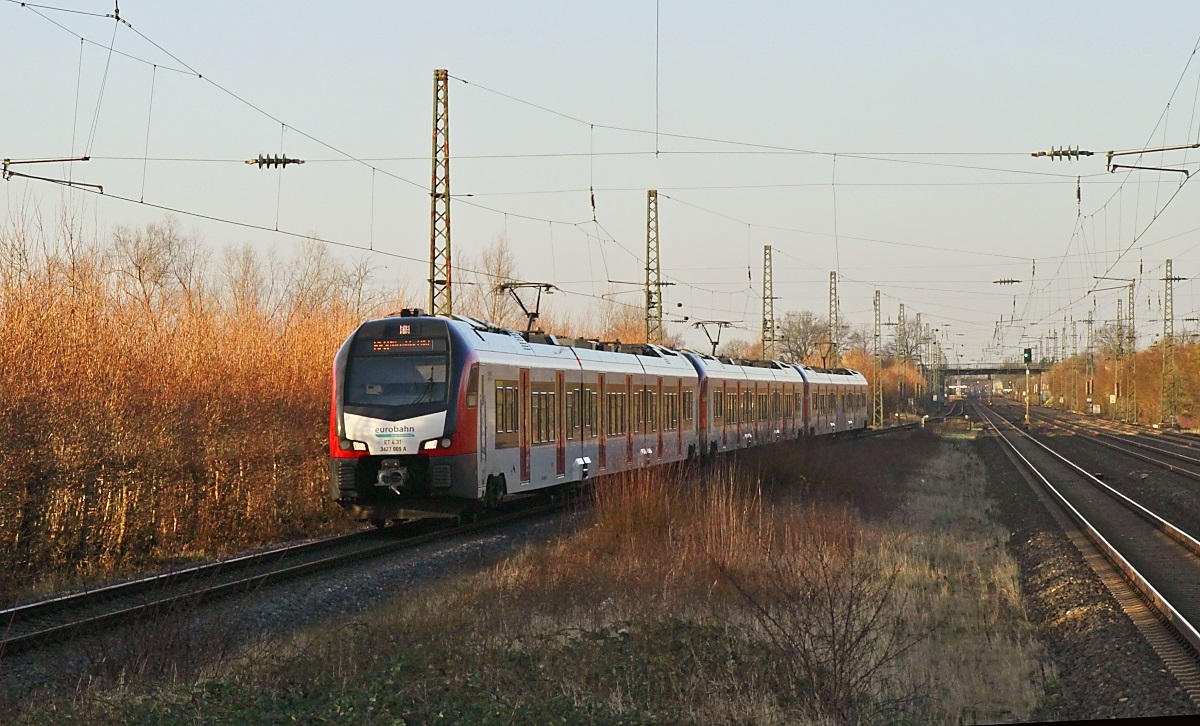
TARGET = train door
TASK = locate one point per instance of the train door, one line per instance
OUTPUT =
(605, 413)
(804, 411)
(524, 425)
(659, 417)
(631, 416)
(678, 417)
(756, 413)
(702, 422)
(742, 418)
(725, 415)
(560, 434)
(789, 405)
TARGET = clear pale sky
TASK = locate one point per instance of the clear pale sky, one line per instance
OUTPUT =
(924, 115)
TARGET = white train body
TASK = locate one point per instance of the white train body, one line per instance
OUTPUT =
(433, 414)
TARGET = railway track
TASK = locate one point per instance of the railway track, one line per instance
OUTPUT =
(36, 624)
(1158, 559)
(1179, 456)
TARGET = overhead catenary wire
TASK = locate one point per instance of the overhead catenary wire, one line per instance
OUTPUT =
(103, 85)
(611, 239)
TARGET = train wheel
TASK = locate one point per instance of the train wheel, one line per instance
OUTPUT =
(494, 492)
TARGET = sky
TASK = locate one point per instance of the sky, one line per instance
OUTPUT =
(888, 142)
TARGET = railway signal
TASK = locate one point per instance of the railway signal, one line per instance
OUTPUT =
(1028, 356)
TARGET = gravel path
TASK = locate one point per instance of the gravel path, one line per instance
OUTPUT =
(180, 644)
(1105, 669)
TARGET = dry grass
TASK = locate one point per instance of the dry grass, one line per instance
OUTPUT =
(725, 598)
(156, 405)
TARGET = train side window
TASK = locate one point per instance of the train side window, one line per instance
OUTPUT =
(506, 408)
(535, 417)
(591, 412)
(622, 412)
(514, 409)
(499, 407)
(569, 413)
(473, 386)
(689, 403)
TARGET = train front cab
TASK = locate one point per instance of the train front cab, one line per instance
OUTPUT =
(403, 419)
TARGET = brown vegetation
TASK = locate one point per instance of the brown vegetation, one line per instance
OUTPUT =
(745, 595)
(159, 406)
(162, 404)
(1068, 380)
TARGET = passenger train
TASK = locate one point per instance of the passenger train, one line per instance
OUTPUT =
(443, 415)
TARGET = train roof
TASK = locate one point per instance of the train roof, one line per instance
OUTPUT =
(487, 338)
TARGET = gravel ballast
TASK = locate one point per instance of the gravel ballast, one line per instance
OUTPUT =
(181, 644)
(1105, 668)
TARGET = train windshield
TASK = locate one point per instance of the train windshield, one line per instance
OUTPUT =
(406, 373)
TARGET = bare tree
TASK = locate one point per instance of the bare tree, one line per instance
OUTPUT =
(157, 263)
(860, 337)
(802, 337)
(1108, 339)
(481, 298)
(739, 348)
(243, 280)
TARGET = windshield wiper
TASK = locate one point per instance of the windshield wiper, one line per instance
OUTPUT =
(424, 392)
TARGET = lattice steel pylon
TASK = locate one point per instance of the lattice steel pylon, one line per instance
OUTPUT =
(1119, 374)
(1074, 365)
(921, 361)
(835, 358)
(1170, 390)
(654, 284)
(877, 369)
(441, 299)
(768, 306)
(902, 356)
(1132, 333)
(931, 362)
(1090, 365)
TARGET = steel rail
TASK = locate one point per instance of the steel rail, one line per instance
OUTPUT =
(193, 597)
(1168, 611)
(1099, 436)
(47, 606)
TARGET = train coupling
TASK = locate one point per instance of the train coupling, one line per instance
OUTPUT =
(392, 474)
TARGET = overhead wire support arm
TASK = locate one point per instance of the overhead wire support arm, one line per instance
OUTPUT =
(8, 174)
(1138, 152)
(1114, 167)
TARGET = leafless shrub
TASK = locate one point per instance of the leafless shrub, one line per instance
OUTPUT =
(170, 645)
(835, 620)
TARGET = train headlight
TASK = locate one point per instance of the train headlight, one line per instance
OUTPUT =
(443, 443)
(430, 444)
